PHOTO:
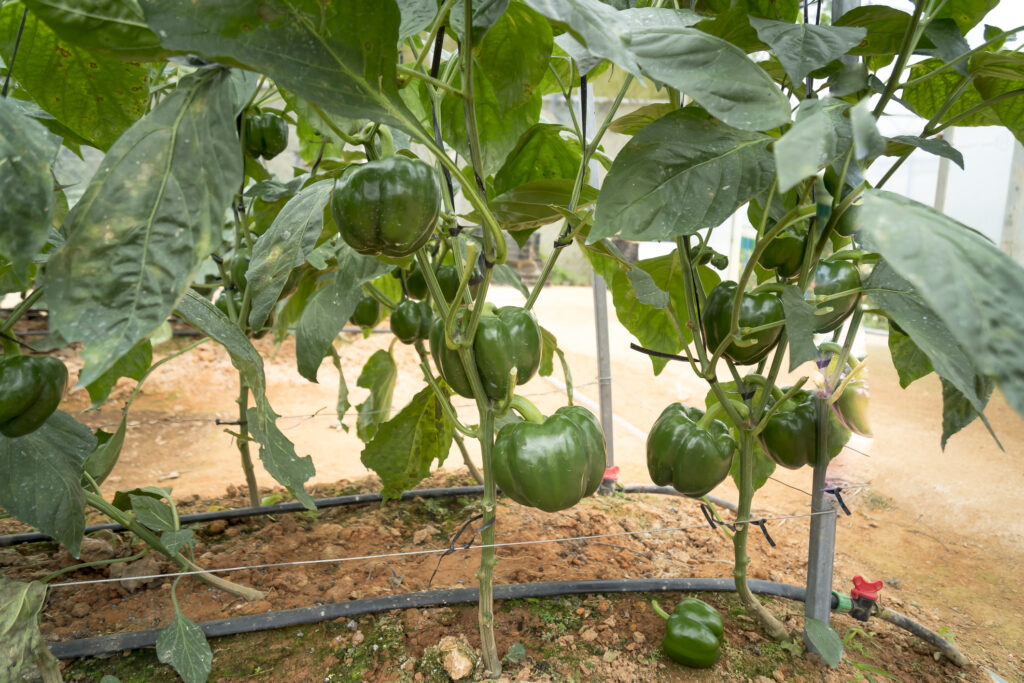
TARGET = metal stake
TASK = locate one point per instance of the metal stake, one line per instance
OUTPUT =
(822, 545)
(604, 364)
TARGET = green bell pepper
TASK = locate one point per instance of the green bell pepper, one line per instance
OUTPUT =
(416, 284)
(31, 388)
(785, 253)
(389, 206)
(694, 633)
(552, 463)
(266, 135)
(851, 408)
(689, 450)
(367, 313)
(756, 309)
(509, 338)
(790, 435)
(410, 321)
(448, 279)
(835, 276)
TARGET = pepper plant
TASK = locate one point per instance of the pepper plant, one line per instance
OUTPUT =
(422, 150)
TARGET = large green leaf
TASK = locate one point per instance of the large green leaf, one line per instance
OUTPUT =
(531, 205)
(904, 143)
(26, 151)
(146, 222)
(816, 139)
(542, 153)
(183, 645)
(958, 411)
(783, 10)
(329, 309)
(277, 453)
(23, 652)
(800, 323)
(682, 173)
(285, 245)
(885, 25)
(635, 121)
(598, 27)
(929, 96)
(97, 97)
(910, 361)
(378, 375)
(1001, 74)
(416, 16)
(969, 282)
(40, 474)
(406, 445)
(966, 13)
(802, 48)
(733, 25)
(514, 55)
(132, 365)
(715, 73)
(115, 28)
(485, 14)
(340, 55)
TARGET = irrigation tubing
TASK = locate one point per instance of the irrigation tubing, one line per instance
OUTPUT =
(322, 503)
(119, 642)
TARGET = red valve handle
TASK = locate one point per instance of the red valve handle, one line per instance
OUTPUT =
(864, 588)
(611, 473)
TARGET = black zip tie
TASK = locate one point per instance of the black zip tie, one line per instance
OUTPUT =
(560, 244)
(456, 231)
(583, 107)
(217, 259)
(764, 530)
(710, 517)
(19, 342)
(657, 354)
(240, 423)
(465, 546)
(839, 499)
(487, 262)
(747, 395)
(435, 67)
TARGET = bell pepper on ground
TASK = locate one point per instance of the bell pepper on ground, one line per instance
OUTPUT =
(789, 436)
(367, 312)
(549, 463)
(693, 633)
(410, 321)
(834, 276)
(785, 253)
(509, 338)
(689, 450)
(756, 310)
(389, 206)
(266, 135)
(31, 388)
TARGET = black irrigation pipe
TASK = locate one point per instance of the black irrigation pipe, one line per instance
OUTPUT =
(322, 503)
(195, 333)
(119, 642)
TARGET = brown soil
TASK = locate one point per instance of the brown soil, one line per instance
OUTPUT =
(934, 525)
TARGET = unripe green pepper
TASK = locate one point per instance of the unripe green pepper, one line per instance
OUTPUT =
(790, 435)
(222, 301)
(389, 206)
(367, 312)
(448, 279)
(851, 408)
(694, 633)
(410, 321)
(689, 450)
(834, 276)
(238, 270)
(416, 284)
(550, 464)
(756, 309)
(509, 338)
(266, 135)
(31, 388)
(848, 224)
(785, 253)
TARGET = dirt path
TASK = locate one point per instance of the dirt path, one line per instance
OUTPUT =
(934, 524)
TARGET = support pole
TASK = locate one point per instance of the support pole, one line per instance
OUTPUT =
(604, 371)
(1012, 239)
(822, 542)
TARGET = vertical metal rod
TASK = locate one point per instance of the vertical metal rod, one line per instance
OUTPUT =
(942, 181)
(1012, 239)
(604, 363)
(822, 542)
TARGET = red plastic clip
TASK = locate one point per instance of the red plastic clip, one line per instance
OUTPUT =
(611, 474)
(865, 588)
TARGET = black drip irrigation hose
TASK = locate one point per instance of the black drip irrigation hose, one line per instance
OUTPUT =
(119, 642)
(322, 503)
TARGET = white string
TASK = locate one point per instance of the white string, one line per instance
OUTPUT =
(434, 551)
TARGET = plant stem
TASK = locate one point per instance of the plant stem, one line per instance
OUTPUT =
(98, 563)
(21, 309)
(437, 83)
(771, 625)
(485, 575)
(14, 53)
(243, 444)
(910, 39)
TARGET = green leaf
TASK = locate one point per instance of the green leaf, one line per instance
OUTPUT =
(682, 173)
(885, 25)
(1001, 74)
(132, 365)
(328, 310)
(636, 120)
(404, 446)
(145, 223)
(536, 203)
(154, 514)
(379, 375)
(800, 324)
(868, 143)
(824, 640)
(113, 28)
(176, 540)
(541, 154)
(937, 146)
(802, 48)
(957, 410)
(783, 10)
(646, 289)
(23, 651)
(40, 474)
(342, 405)
(277, 453)
(123, 499)
(485, 14)
(26, 151)
(949, 42)
(733, 25)
(929, 96)
(596, 26)
(416, 16)
(969, 282)
(910, 361)
(515, 53)
(966, 13)
(183, 645)
(96, 97)
(101, 461)
(339, 55)
(504, 274)
(547, 352)
(812, 143)
(716, 74)
(285, 245)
